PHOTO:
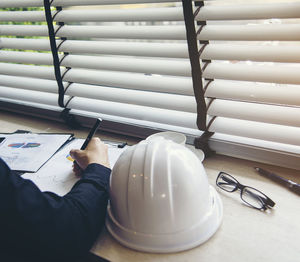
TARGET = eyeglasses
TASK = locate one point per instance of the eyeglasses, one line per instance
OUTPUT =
(249, 195)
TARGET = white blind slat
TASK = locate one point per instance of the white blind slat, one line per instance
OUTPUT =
(259, 32)
(175, 50)
(273, 114)
(286, 149)
(256, 130)
(23, 16)
(26, 57)
(34, 84)
(24, 30)
(137, 97)
(25, 44)
(138, 122)
(165, 84)
(256, 92)
(100, 15)
(37, 3)
(170, 117)
(29, 96)
(41, 72)
(31, 104)
(249, 11)
(285, 74)
(126, 32)
(138, 65)
(261, 53)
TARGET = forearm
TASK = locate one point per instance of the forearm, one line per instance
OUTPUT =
(60, 226)
(79, 216)
(87, 202)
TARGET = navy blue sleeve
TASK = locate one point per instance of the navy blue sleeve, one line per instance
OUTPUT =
(44, 226)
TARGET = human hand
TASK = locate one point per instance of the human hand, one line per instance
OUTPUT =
(95, 152)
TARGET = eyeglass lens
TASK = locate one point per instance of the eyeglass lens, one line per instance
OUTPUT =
(226, 182)
(253, 197)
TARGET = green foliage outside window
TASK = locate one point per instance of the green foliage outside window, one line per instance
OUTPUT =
(22, 23)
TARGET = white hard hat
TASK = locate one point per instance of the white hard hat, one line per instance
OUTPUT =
(160, 198)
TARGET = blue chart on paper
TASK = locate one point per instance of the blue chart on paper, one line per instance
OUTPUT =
(23, 145)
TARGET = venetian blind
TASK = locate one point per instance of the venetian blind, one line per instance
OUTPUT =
(250, 56)
(126, 61)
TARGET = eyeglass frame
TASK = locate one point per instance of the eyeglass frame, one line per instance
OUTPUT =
(266, 203)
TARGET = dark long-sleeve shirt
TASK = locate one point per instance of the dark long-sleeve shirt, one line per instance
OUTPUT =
(42, 226)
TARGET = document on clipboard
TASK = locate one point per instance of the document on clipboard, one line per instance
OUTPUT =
(27, 152)
(57, 176)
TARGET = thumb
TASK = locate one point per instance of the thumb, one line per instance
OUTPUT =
(75, 153)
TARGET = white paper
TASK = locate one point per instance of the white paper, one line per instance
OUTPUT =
(57, 176)
(28, 152)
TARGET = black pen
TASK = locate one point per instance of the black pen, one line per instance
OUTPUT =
(91, 134)
(291, 185)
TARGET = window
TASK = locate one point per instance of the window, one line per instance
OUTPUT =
(250, 62)
(129, 62)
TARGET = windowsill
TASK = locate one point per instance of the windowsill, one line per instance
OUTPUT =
(245, 234)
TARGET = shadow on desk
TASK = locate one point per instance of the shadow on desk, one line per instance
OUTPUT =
(4, 257)
(92, 258)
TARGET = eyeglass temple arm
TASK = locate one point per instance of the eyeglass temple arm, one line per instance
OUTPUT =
(270, 202)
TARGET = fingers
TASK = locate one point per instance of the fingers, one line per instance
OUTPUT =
(94, 142)
(95, 152)
(76, 169)
(75, 153)
(80, 160)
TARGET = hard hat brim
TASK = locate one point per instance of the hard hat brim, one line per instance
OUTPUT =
(192, 236)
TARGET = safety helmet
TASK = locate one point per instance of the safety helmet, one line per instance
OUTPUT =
(160, 198)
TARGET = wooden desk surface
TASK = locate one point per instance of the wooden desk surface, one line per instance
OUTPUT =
(245, 235)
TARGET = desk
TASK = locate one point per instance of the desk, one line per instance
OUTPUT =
(245, 235)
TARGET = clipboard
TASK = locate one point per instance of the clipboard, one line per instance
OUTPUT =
(63, 179)
(24, 151)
